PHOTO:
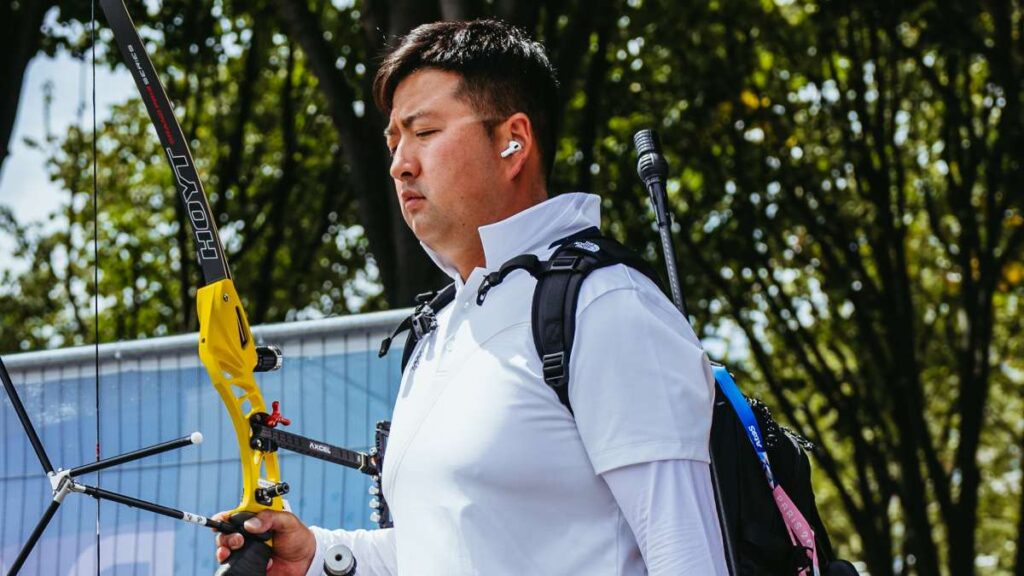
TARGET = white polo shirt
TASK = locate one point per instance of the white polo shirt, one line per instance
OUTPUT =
(486, 472)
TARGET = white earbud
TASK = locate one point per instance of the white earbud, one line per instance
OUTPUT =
(513, 147)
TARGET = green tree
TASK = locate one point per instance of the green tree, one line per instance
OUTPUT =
(24, 33)
(846, 178)
(852, 207)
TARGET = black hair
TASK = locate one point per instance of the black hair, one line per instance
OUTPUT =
(503, 72)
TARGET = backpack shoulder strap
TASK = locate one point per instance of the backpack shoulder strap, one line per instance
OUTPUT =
(421, 322)
(555, 298)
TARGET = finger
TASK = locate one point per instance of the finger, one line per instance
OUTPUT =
(220, 517)
(267, 521)
(228, 540)
(222, 554)
(257, 525)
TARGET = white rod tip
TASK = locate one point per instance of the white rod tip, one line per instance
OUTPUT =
(197, 437)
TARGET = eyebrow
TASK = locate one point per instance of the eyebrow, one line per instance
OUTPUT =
(408, 120)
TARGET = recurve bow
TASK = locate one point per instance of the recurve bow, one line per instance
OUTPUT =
(226, 346)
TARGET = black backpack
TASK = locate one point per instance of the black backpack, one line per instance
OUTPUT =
(762, 544)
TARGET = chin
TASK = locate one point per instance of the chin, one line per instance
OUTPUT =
(420, 231)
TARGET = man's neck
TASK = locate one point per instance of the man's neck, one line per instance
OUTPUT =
(470, 258)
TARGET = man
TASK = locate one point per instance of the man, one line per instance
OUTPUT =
(486, 472)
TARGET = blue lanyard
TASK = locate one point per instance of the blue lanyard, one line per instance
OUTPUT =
(746, 416)
(800, 531)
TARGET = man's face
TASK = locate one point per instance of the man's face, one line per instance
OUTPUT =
(444, 163)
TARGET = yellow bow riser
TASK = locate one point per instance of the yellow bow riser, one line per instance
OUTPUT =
(227, 350)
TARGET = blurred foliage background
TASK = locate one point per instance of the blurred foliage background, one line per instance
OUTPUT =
(847, 183)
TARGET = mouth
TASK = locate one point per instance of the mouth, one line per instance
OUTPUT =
(410, 198)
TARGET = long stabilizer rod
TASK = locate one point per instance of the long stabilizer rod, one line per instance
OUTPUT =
(26, 550)
(30, 430)
(101, 494)
(193, 438)
(652, 168)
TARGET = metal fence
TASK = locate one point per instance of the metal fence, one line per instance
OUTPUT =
(332, 386)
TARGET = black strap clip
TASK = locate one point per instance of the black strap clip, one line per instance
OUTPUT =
(528, 262)
(385, 344)
(424, 321)
(490, 281)
(564, 263)
(421, 322)
(554, 369)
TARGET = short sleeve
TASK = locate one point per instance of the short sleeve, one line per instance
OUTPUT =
(640, 385)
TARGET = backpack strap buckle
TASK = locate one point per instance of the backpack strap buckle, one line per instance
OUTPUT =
(423, 321)
(554, 369)
(564, 263)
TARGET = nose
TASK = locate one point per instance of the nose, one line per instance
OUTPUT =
(404, 165)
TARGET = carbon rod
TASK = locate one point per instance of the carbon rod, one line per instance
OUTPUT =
(36, 533)
(30, 430)
(668, 250)
(652, 168)
(193, 438)
(101, 494)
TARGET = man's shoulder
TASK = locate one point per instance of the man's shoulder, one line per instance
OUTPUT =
(623, 299)
(621, 277)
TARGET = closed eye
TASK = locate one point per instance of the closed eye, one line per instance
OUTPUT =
(418, 134)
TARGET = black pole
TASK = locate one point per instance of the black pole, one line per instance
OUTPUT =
(193, 438)
(653, 170)
(36, 533)
(665, 231)
(101, 494)
(30, 431)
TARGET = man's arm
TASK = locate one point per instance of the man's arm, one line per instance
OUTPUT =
(643, 394)
(670, 506)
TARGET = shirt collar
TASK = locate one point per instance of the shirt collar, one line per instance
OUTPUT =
(531, 231)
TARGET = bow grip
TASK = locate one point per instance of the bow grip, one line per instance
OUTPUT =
(252, 558)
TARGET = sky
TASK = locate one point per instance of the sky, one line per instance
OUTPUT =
(25, 186)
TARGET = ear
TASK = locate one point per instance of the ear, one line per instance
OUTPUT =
(519, 128)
